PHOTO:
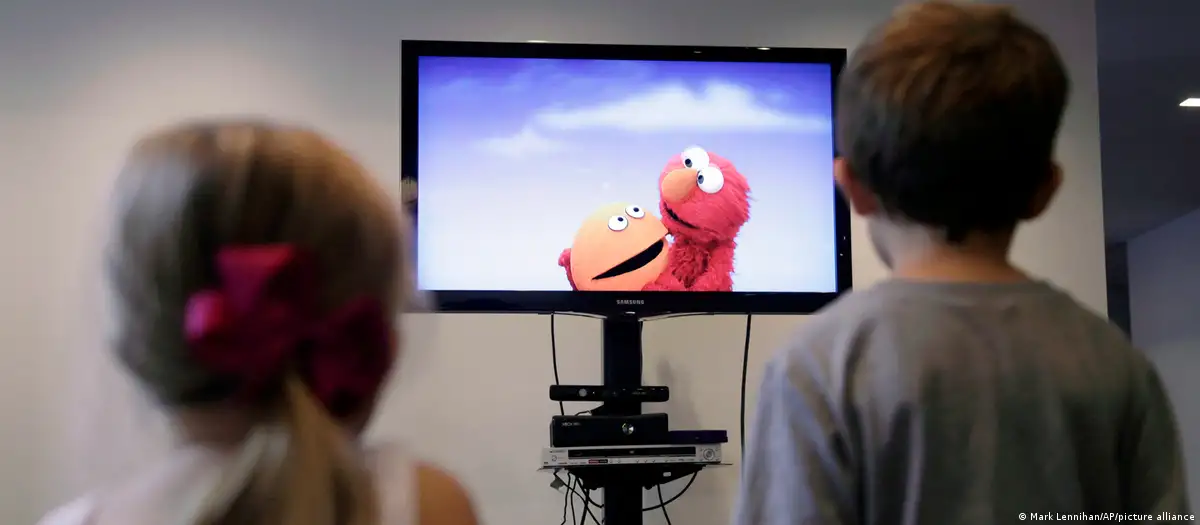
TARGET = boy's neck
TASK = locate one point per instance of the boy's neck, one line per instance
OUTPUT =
(980, 258)
(953, 267)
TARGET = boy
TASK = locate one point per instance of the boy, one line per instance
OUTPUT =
(961, 391)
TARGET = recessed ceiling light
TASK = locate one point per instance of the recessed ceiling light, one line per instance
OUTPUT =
(1193, 102)
(764, 49)
(538, 41)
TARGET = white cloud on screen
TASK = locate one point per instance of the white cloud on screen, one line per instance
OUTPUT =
(470, 87)
(776, 96)
(525, 143)
(536, 73)
(719, 106)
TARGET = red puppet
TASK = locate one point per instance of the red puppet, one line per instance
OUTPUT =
(705, 202)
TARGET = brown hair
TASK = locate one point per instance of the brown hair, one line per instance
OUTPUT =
(188, 191)
(949, 112)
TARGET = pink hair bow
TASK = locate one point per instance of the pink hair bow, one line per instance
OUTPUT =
(263, 319)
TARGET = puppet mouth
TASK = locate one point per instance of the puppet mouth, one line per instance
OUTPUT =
(635, 262)
(671, 214)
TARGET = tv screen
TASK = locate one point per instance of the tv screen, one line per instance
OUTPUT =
(588, 178)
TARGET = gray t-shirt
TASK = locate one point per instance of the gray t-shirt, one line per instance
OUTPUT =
(944, 403)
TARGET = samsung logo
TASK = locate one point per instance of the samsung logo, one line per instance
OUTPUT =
(631, 301)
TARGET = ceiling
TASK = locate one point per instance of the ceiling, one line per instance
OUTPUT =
(1149, 61)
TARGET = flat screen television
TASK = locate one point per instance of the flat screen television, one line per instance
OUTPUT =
(623, 179)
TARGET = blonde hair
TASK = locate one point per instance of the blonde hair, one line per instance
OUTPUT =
(183, 194)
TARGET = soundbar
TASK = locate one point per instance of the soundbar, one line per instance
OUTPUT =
(640, 394)
(554, 457)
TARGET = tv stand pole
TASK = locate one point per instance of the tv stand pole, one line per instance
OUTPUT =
(622, 366)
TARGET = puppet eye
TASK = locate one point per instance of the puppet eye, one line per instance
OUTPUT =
(710, 179)
(635, 211)
(695, 158)
(617, 223)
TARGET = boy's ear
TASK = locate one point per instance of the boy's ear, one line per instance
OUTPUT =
(1045, 193)
(861, 200)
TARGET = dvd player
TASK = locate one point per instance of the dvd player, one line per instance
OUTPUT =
(554, 457)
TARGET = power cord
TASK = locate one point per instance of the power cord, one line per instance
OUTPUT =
(587, 507)
(574, 489)
(745, 369)
(570, 491)
(663, 504)
(566, 500)
(571, 481)
(678, 495)
(562, 411)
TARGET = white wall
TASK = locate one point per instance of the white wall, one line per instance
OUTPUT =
(1164, 306)
(1067, 245)
(80, 80)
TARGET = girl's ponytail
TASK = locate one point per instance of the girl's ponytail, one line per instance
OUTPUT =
(301, 470)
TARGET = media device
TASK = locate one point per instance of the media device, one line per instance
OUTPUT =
(592, 431)
(599, 178)
(639, 394)
(631, 455)
(697, 437)
(623, 181)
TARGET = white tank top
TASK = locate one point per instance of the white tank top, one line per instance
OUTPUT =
(395, 478)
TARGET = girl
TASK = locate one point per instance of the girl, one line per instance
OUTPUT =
(257, 270)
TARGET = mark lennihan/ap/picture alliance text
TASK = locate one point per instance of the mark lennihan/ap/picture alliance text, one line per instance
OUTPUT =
(1109, 516)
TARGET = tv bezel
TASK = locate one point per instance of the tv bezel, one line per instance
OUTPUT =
(608, 303)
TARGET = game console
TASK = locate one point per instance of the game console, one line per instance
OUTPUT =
(595, 431)
(558, 457)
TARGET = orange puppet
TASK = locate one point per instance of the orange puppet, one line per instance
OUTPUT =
(619, 248)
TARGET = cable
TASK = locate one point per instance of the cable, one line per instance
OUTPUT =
(571, 481)
(571, 490)
(678, 495)
(566, 500)
(582, 493)
(587, 507)
(587, 498)
(662, 504)
(562, 411)
(745, 369)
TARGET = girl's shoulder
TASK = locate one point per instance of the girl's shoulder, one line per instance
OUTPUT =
(442, 498)
(78, 512)
(394, 470)
(415, 491)
(411, 491)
